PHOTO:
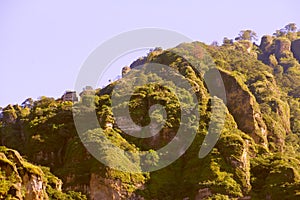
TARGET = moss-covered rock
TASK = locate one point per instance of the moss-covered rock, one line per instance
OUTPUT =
(242, 105)
(21, 180)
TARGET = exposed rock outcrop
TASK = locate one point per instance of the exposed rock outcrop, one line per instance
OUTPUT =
(279, 47)
(203, 194)
(296, 49)
(108, 189)
(242, 105)
(267, 48)
(9, 115)
(27, 177)
(282, 46)
(22, 180)
(101, 189)
(125, 70)
(34, 187)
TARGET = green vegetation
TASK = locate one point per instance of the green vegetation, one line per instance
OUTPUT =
(247, 35)
(257, 154)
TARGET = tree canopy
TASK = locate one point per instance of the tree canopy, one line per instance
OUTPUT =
(247, 35)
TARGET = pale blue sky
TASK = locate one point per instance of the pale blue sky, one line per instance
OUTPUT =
(44, 43)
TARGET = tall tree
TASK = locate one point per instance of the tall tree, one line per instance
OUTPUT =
(291, 27)
(246, 35)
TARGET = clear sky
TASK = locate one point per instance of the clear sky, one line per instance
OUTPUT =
(43, 44)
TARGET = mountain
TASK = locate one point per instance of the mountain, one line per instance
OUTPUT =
(247, 93)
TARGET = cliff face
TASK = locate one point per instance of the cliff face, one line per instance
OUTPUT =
(100, 188)
(281, 48)
(244, 108)
(266, 48)
(24, 180)
(296, 49)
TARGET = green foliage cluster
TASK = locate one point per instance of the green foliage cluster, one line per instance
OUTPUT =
(247, 35)
(290, 31)
(71, 195)
(275, 175)
(6, 183)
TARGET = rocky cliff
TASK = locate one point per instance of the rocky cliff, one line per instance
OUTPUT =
(21, 180)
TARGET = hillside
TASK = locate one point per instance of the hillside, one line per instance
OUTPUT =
(256, 112)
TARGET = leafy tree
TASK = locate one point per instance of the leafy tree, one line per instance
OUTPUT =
(227, 41)
(289, 31)
(247, 35)
(291, 27)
